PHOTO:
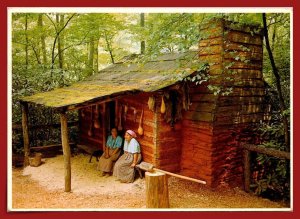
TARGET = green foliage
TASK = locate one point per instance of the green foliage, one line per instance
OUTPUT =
(271, 176)
(113, 36)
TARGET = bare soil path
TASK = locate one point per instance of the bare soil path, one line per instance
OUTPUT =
(43, 187)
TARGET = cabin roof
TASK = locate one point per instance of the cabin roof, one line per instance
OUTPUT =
(124, 77)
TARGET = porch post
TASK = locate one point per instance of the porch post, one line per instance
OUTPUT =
(25, 133)
(66, 150)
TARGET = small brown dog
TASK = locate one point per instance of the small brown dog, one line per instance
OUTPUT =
(96, 154)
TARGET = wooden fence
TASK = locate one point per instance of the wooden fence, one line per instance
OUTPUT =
(248, 148)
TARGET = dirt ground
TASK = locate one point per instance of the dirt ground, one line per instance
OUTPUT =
(43, 187)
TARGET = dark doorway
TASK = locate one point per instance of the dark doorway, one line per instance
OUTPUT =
(111, 115)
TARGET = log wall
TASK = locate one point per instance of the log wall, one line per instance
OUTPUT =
(168, 141)
(197, 135)
(147, 142)
(85, 122)
(215, 123)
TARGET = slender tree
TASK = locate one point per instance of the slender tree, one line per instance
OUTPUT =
(278, 83)
(26, 41)
(43, 38)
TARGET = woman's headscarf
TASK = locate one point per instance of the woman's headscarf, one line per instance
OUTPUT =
(132, 133)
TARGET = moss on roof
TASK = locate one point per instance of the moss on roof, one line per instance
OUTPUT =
(121, 78)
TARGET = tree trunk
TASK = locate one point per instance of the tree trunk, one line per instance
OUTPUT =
(142, 25)
(26, 40)
(25, 133)
(58, 32)
(43, 43)
(109, 47)
(66, 151)
(274, 35)
(96, 57)
(278, 85)
(91, 55)
(157, 194)
(60, 23)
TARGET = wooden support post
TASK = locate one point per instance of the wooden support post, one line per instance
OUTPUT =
(157, 194)
(247, 170)
(25, 133)
(66, 150)
(104, 126)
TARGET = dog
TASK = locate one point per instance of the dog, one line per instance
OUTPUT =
(96, 154)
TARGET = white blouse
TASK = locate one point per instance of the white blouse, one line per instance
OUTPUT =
(132, 147)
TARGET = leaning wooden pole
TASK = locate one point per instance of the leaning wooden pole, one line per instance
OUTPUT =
(25, 133)
(66, 150)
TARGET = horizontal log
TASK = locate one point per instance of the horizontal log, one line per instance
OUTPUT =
(211, 42)
(168, 146)
(193, 115)
(147, 157)
(204, 98)
(214, 58)
(210, 50)
(244, 92)
(44, 126)
(232, 46)
(143, 141)
(170, 167)
(171, 160)
(240, 100)
(161, 144)
(130, 118)
(168, 135)
(202, 107)
(238, 110)
(197, 124)
(249, 83)
(198, 139)
(216, 68)
(244, 73)
(215, 30)
(49, 147)
(245, 38)
(199, 131)
(148, 127)
(237, 119)
(244, 28)
(266, 151)
(147, 149)
(231, 63)
(243, 55)
(167, 152)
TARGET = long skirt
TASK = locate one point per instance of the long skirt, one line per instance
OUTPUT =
(122, 169)
(106, 164)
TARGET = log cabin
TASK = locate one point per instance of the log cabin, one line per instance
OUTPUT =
(194, 107)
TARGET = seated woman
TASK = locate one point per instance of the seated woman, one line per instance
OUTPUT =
(124, 167)
(111, 153)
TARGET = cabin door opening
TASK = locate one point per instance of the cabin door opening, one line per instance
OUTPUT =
(111, 116)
